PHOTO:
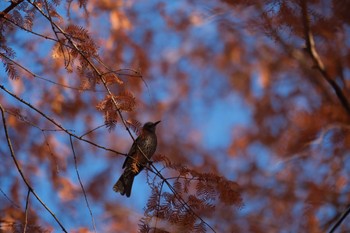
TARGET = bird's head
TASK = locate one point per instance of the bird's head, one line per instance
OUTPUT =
(150, 126)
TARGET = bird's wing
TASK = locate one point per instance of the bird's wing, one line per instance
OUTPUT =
(132, 151)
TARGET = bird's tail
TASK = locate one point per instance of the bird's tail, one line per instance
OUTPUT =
(124, 184)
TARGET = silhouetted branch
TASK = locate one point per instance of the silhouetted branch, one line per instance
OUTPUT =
(9, 144)
(340, 220)
(311, 49)
(81, 183)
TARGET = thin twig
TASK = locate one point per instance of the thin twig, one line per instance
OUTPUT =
(50, 151)
(26, 212)
(81, 183)
(12, 202)
(9, 144)
(90, 131)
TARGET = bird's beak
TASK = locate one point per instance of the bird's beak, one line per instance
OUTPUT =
(156, 123)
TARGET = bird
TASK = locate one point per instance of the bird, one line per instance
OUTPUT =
(136, 160)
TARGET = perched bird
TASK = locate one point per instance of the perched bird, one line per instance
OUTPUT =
(136, 161)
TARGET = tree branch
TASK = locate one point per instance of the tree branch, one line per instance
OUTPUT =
(311, 49)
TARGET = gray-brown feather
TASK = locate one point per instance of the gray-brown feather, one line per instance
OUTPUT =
(136, 160)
